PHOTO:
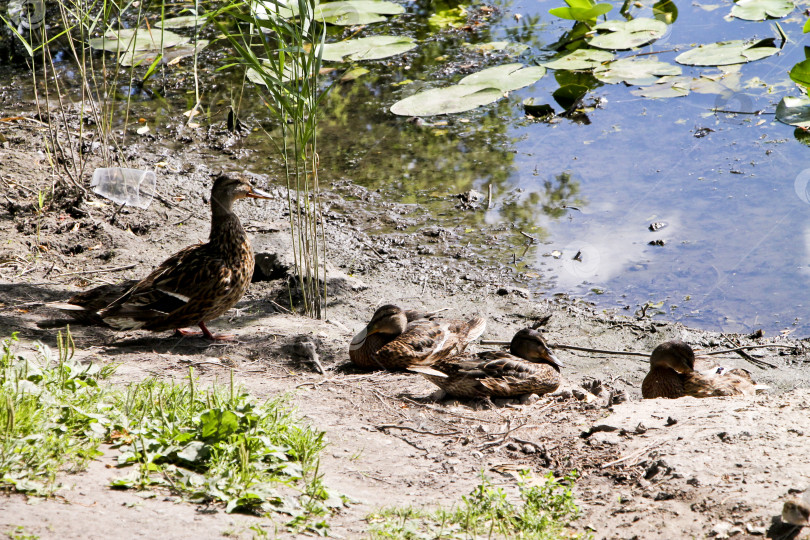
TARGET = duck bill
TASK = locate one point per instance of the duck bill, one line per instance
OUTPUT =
(359, 340)
(553, 358)
(258, 194)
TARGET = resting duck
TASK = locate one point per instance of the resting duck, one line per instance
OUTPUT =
(672, 375)
(396, 339)
(528, 368)
(193, 286)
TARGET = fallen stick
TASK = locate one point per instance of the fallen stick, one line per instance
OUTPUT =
(383, 427)
(102, 271)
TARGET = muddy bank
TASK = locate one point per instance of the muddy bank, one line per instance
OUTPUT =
(722, 468)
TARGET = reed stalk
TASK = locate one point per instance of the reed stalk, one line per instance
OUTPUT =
(279, 45)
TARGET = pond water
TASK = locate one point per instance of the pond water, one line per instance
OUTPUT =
(730, 188)
(729, 191)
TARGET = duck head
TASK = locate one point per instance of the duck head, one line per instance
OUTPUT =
(388, 319)
(530, 345)
(675, 355)
(230, 187)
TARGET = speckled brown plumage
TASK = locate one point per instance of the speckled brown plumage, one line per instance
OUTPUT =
(395, 339)
(672, 375)
(193, 286)
(529, 368)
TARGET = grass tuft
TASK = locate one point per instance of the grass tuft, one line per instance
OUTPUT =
(53, 415)
(542, 512)
(214, 445)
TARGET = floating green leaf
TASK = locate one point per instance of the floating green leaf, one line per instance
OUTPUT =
(169, 56)
(639, 72)
(367, 48)
(506, 77)
(137, 39)
(794, 111)
(512, 49)
(449, 18)
(472, 91)
(569, 95)
(622, 35)
(800, 73)
(727, 52)
(665, 11)
(353, 73)
(354, 12)
(537, 110)
(581, 59)
(666, 87)
(581, 10)
(759, 10)
(453, 99)
(186, 21)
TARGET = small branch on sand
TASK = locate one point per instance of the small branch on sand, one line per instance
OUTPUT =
(383, 427)
(102, 271)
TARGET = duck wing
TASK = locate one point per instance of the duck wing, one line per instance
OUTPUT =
(490, 374)
(177, 293)
(422, 342)
(718, 383)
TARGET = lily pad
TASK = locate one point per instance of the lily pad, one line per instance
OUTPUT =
(581, 10)
(537, 110)
(137, 39)
(759, 10)
(185, 21)
(354, 12)
(800, 73)
(449, 18)
(794, 111)
(512, 49)
(453, 99)
(724, 53)
(581, 59)
(367, 48)
(623, 35)
(638, 72)
(570, 95)
(666, 87)
(481, 88)
(170, 56)
(506, 77)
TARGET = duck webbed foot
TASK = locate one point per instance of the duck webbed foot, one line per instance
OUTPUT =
(206, 333)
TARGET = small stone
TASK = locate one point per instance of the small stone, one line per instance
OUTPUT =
(734, 531)
(755, 530)
(528, 449)
(641, 429)
(664, 496)
(563, 393)
(721, 529)
(671, 421)
(512, 446)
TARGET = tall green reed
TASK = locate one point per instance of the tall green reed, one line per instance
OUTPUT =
(279, 45)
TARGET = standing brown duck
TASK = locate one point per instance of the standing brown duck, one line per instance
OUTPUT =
(396, 339)
(190, 288)
(672, 375)
(528, 368)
